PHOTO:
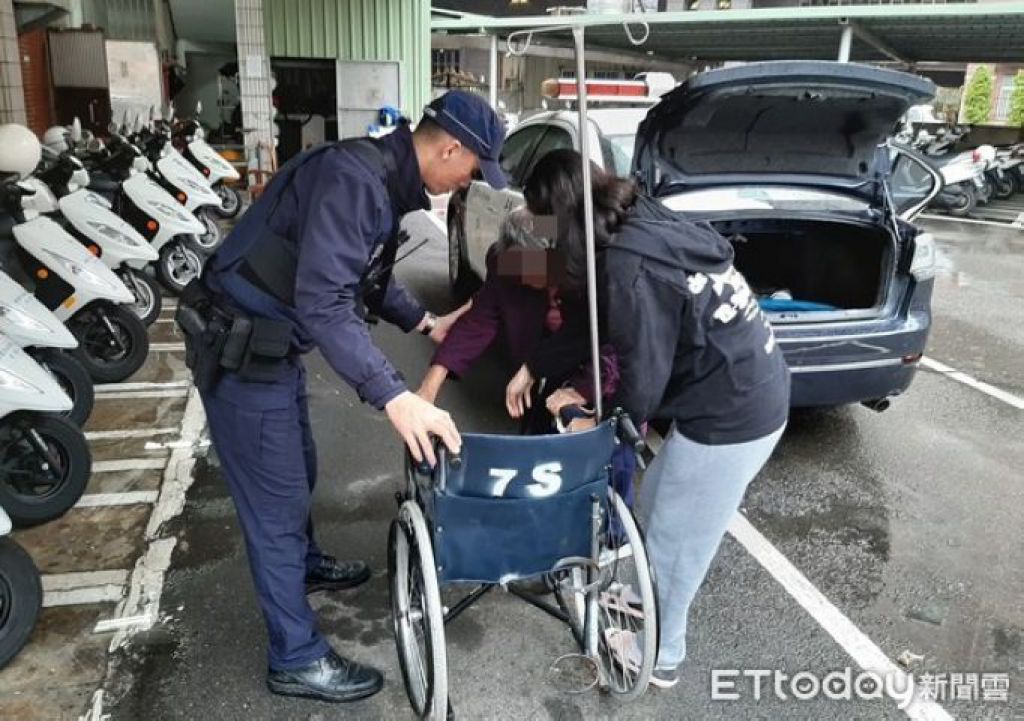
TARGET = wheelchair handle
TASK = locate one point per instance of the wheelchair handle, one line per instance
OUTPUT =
(630, 435)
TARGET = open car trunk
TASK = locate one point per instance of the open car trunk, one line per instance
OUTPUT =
(812, 270)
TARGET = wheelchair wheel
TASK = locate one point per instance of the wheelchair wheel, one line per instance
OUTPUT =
(417, 613)
(627, 613)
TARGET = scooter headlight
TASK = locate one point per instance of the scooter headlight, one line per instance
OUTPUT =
(22, 319)
(77, 269)
(169, 210)
(114, 234)
(11, 382)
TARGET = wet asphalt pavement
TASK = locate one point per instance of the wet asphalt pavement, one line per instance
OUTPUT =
(909, 521)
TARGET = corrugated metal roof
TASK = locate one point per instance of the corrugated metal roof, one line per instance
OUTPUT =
(917, 33)
(357, 30)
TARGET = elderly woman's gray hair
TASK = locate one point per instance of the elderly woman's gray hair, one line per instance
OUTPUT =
(521, 229)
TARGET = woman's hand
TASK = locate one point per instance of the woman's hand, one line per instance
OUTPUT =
(432, 383)
(517, 392)
(564, 397)
(445, 322)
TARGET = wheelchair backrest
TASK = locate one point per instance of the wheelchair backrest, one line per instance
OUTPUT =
(496, 466)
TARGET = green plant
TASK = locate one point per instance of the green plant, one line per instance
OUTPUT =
(978, 102)
(1016, 117)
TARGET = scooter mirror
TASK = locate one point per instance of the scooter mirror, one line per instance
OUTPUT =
(76, 130)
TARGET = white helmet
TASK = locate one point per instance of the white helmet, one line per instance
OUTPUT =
(19, 150)
(56, 139)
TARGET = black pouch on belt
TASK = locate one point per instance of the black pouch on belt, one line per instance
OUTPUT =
(267, 352)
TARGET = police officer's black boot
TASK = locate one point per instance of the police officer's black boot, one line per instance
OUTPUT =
(331, 678)
(334, 575)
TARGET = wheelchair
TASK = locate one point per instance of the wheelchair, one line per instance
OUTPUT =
(510, 508)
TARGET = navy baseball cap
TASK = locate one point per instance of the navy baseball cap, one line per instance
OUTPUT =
(470, 120)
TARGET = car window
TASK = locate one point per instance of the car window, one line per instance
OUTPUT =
(554, 139)
(617, 151)
(517, 149)
(911, 182)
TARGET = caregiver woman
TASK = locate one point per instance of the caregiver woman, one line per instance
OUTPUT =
(693, 347)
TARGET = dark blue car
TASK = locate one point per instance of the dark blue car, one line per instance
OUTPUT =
(789, 160)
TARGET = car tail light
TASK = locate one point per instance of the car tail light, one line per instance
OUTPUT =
(922, 266)
(976, 156)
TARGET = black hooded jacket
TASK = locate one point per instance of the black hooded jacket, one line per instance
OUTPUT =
(692, 343)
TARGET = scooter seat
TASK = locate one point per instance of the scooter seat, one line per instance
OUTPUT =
(103, 184)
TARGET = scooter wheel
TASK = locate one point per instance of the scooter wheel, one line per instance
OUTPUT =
(1004, 188)
(73, 378)
(209, 240)
(148, 298)
(112, 342)
(965, 201)
(44, 466)
(230, 201)
(21, 597)
(177, 266)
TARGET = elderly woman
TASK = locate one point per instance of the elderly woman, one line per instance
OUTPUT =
(521, 302)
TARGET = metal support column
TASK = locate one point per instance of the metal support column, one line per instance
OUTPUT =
(493, 76)
(845, 43)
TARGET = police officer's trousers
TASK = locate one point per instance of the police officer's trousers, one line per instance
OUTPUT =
(263, 439)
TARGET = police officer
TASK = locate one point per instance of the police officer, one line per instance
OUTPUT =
(307, 262)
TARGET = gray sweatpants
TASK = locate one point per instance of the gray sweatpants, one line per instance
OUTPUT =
(687, 498)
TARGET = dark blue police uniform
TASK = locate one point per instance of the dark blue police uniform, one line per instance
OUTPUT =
(337, 210)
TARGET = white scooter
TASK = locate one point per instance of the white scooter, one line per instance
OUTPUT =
(964, 185)
(21, 593)
(44, 459)
(1003, 172)
(191, 140)
(47, 340)
(91, 220)
(114, 173)
(181, 180)
(73, 283)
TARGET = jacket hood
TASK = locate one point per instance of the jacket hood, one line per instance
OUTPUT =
(653, 231)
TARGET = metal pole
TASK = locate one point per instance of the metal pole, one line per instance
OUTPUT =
(588, 214)
(493, 87)
(845, 43)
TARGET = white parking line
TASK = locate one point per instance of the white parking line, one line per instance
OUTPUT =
(125, 434)
(852, 640)
(141, 606)
(136, 395)
(106, 500)
(842, 630)
(929, 216)
(121, 387)
(166, 347)
(952, 373)
(129, 464)
(71, 589)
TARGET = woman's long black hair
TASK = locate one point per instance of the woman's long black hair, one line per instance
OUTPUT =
(555, 187)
